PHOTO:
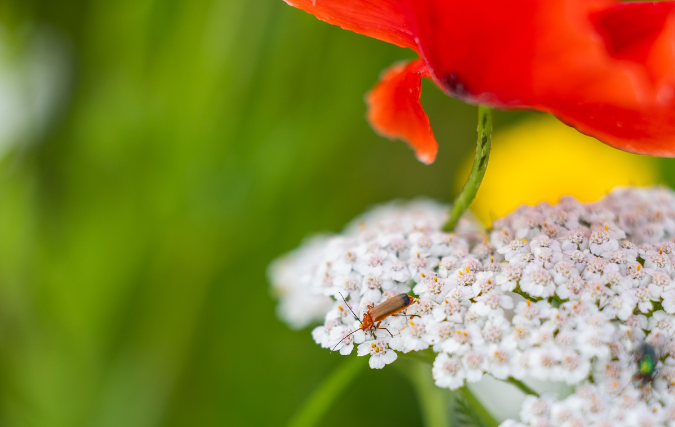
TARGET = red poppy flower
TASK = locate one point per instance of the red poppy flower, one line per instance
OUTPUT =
(603, 67)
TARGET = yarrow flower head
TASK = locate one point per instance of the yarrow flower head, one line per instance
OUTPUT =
(575, 305)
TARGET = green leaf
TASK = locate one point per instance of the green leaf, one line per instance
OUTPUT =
(469, 412)
(433, 400)
(327, 393)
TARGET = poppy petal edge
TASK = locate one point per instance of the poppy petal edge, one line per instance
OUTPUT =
(395, 110)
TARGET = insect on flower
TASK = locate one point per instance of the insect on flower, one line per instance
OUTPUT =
(646, 358)
(375, 315)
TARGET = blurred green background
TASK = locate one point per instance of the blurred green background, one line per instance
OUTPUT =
(191, 142)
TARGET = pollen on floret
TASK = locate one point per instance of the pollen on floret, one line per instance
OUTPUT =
(451, 366)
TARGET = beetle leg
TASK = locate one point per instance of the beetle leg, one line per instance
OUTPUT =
(378, 327)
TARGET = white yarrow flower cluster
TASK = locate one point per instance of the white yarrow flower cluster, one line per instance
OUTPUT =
(567, 293)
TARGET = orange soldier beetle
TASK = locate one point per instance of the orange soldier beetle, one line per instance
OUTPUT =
(375, 315)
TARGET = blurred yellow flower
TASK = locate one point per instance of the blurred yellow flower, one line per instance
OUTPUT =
(542, 159)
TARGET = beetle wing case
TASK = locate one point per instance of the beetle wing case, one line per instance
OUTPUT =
(391, 306)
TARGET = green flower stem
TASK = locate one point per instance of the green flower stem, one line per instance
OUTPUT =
(478, 411)
(313, 410)
(480, 162)
(522, 386)
(434, 401)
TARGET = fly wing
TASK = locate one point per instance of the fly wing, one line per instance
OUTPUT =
(391, 306)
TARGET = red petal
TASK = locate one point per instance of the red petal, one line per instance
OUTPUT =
(604, 67)
(384, 20)
(395, 111)
(644, 35)
(546, 54)
(630, 30)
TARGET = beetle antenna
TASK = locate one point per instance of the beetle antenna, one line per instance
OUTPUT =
(350, 309)
(344, 338)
